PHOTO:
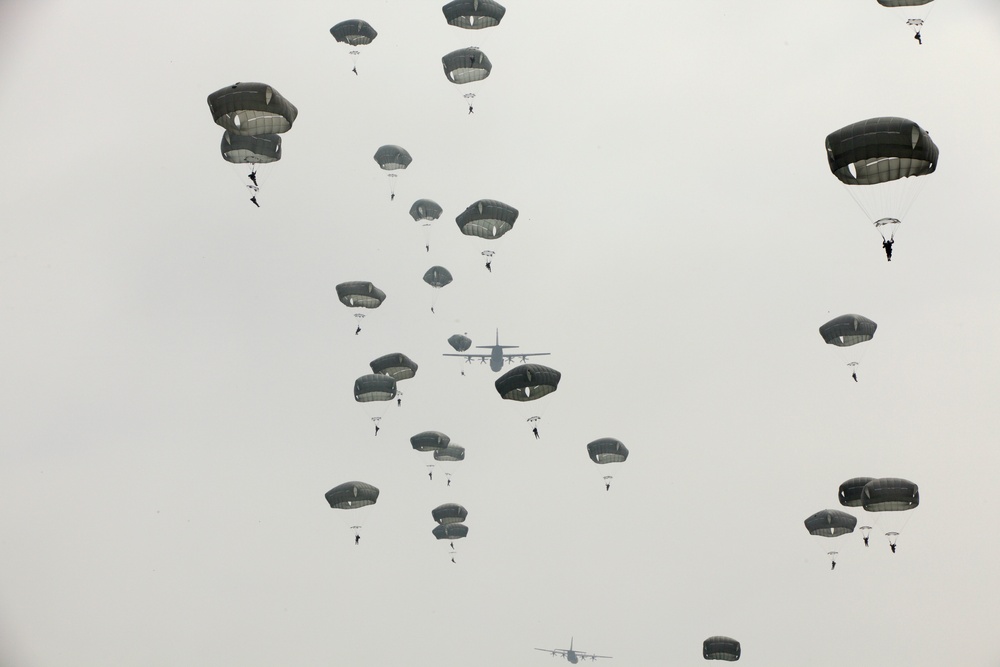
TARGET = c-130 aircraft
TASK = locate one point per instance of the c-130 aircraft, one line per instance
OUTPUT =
(572, 655)
(497, 356)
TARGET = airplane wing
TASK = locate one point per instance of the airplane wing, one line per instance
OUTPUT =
(554, 651)
(591, 656)
(524, 355)
(469, 357)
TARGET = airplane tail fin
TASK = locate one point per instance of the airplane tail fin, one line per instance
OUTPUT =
(502, 347)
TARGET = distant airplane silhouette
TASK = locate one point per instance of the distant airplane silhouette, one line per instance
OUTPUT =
(572, 655)
(497, 355)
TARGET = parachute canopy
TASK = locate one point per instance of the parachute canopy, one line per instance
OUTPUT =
(848, 330)
(360, 294)
(607, 450)
(425, 209)
(391, 157)
(449, 513)
(466, 65)
(902, 3)
(351, 495)
(527, 382)
(437, 276)
(473, 14)
(397, 365)
(428, 441)
(830, 523)
(459, 342)
(354, 32)
(450, 453)
(450, 531)
(890, 494)
(879, 150)
(721, 648)
(487, 219)
(851, 491)
(368, 388)
(245, 149)
(252, 109)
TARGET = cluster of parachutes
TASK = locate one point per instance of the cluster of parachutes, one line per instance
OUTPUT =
(252, 116)
(889, 495)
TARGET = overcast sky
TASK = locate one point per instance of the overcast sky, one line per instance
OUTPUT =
(176, 372)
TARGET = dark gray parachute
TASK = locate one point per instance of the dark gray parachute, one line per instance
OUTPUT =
(450, 453)
(450, 531)
(830, 523)
(890, 494)
(252, 109)
(466, 65)
(879, 150)
(354, 32)
(474, 14)
(397, 365)
(460, 343)
(368, 388)
(437, 276)
(245, 149)
(852, 491)
(902, 3)
(429, 441)
(425, 209)
(360, 294)
(720, 648)
(607, 450)
(449, 513)
(391, 157)
(848, 330)
(527, 382)
(351, 495)
(487, 219)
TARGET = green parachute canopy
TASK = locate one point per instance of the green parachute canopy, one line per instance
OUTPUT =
(437, 276)
(830, 523)
(450, 453)
(890, 494)
(466, 66)
(720, 648)
(879, 150)
(460, 343)
(527, 382)
(449, 513)
(473, 14)
(390, 157)
(425, 209)
(429, 441)
(354, 32)
(245, 149)
(450, 531)
(607, 450)
(396, 365)
(351, 495)
(848, 330)
(360, 294)
(368, 388)
(252, 109)
(902, 3)
(852, 491)
(487, 219)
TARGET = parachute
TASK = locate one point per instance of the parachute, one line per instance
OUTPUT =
(392, 158)
(352, 495)
(607, 450)
(354, 33)
(902, 3)
(252, 109)
(396, 365)
(487, 219)
(369, 388)
(467, 66)
(449, 513)
(876, 158)
(460, 343)
(847, 331)
(437, 277)
(450, 453)
(720, 648)
(473, 14)
(450, 531)
(430, 441)
(246, 149)
(891, 495)
(527, 382)
(424, 211)
(851, 491)
(360, 294)
(830, 523)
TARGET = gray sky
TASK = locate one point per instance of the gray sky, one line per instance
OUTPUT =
(177, 370)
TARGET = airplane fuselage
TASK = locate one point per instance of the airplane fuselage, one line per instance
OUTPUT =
(496, 358)
(571, 656)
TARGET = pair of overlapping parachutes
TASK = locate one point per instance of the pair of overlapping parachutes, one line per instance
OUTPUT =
(462, 67)
(885, 496)
(253, 116)
(441, 446)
